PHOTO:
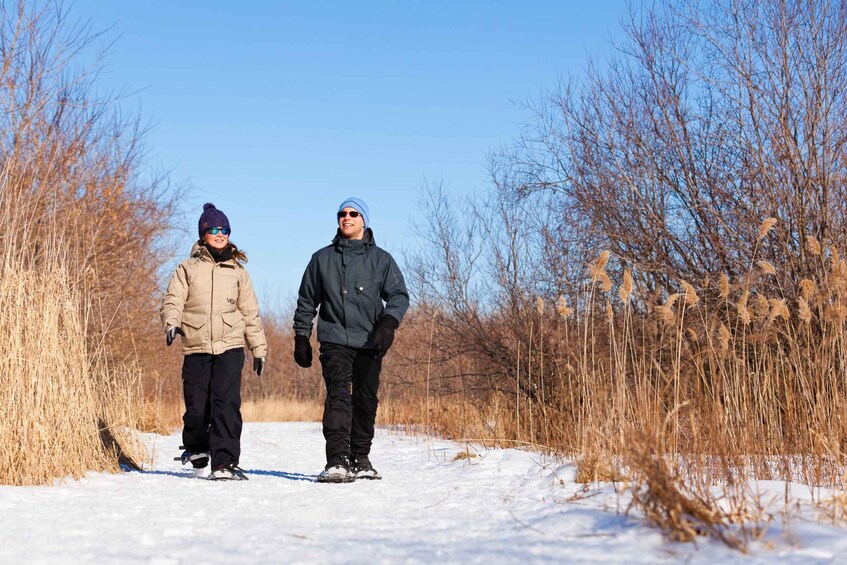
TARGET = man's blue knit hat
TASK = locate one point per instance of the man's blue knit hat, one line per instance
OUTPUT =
(212, 218)
(356, 204)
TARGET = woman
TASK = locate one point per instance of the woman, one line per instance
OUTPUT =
(210, 302)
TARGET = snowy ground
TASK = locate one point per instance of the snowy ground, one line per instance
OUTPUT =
(503, 506)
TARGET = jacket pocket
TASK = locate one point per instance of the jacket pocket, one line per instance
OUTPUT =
(233, 328)
(368, 289)
(194, 326)
(369, 303)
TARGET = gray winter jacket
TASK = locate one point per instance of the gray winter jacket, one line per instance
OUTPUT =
(350, 280)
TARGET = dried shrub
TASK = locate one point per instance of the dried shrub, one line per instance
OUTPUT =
(681, 508)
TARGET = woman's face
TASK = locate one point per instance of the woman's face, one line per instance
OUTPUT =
(216, 240)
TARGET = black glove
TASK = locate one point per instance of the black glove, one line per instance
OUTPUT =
(384, 333)
(170, 335)
(258, 365)
(302, 351)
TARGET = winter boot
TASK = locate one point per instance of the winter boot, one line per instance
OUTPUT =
(229, 472)
(337, 471)
(363, 469)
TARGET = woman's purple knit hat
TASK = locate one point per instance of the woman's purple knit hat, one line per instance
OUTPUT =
(212, 218)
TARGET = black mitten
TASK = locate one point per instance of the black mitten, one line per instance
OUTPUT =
(384, 333)
(302, 351)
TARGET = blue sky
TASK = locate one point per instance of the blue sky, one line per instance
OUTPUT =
(277, 111)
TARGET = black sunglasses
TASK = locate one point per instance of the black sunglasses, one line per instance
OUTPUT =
(351, 213)
(214, 231)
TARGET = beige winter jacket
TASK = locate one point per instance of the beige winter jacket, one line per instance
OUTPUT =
(215, 305)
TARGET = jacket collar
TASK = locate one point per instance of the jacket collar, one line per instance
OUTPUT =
(199, 251)
(343, 244)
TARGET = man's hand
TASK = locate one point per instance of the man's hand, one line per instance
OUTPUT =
(258, 365)
(170, 334)
(384, 333)
(302, 351)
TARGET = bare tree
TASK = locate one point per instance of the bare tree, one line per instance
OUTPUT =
(708, 119)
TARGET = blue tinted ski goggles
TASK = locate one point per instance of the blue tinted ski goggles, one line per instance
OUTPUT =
(214, 231)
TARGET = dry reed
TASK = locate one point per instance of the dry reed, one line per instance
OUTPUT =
(58, 421)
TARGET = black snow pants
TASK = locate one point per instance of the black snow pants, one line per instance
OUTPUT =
(352, 380)
(211, 385)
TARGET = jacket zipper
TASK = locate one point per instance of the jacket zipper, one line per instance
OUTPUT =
(211, 310)
(344, 297)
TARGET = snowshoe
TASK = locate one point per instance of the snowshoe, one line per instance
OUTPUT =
(229, 472)
(337, 471)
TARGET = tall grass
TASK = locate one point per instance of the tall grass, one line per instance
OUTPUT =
(714, 385)
(278, 409)
(60, 417)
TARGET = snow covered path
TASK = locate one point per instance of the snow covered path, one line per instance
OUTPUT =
(503, 506)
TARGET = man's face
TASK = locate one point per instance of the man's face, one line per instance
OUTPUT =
(351, 223)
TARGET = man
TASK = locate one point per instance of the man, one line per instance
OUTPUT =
(362, 298)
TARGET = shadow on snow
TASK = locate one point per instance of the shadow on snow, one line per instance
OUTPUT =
(282, 475)
(248, 472)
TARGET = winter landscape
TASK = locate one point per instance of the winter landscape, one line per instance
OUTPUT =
(627, 311)
(439, 502)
